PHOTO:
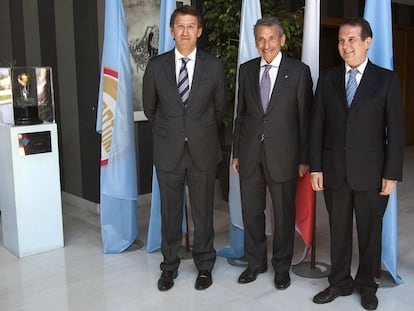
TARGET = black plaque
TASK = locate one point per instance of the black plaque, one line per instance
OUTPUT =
(34, 143)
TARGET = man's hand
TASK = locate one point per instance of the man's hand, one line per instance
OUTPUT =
(387, 186)
(317, 181)
(235, 165)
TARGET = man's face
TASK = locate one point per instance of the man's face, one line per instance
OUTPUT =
(351, 47)
(185, 32)
(268, 42)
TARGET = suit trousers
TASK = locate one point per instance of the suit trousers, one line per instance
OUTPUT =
(201, 192)
(369, 208)
(253, 196)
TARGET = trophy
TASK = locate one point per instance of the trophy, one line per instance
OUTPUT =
(31, 94)
(25, 107)
(26, 95)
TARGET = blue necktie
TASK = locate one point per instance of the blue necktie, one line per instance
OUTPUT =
(265, 85)
(351, 86)
(183, 83)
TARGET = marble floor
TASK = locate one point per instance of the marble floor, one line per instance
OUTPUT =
(80, 277)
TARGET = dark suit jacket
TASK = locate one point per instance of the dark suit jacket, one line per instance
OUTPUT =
(172, 122)
(362, 144)
(285, 125)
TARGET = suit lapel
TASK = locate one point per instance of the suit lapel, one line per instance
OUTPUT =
(254, 77)
(282, 78)
(368, 82)
(200, 66)
(339, 85)
(169, 67)
(282, 75)
(171, 80)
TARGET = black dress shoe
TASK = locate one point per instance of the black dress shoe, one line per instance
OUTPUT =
(282, 280)
(166, 280)
(330, 293)
(203, 280)
(248, 275)
(368, 298)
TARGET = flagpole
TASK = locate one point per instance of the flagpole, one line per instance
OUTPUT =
(313, 253)
(312, 269)
(310, 56)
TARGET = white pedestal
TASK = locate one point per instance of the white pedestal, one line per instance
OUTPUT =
(30, 197)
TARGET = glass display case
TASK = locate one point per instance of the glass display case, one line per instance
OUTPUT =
(26, 95)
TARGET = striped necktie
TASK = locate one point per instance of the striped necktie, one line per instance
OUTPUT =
(351, 86)
(183, 83)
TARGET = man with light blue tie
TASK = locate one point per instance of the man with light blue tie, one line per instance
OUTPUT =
(357, 145)
(184, 98)
(270, 148)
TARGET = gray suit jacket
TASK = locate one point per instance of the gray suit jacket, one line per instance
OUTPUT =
(285, 125)
(198, 122)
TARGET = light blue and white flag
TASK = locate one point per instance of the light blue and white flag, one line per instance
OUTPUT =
(378, 14)
(250, 13)
(115, 123)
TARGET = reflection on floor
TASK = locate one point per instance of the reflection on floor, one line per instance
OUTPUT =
(80, 277)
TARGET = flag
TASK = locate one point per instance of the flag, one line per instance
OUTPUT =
(310, 44)
(115, 123)
(154, 225)
(165, 44)
(305, 196)
(378, 14)
(250, 13)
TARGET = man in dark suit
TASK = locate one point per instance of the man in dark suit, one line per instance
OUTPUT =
(184, 96)
(357, 148)
(270, 148)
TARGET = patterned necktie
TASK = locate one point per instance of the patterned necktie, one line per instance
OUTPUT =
(351, 86)
(265, 87)
(183, 83)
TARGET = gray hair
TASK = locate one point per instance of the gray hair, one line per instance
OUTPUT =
(269, 21)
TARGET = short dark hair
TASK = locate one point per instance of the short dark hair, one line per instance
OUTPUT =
(366, 30)
(186, 10)
(268, 21)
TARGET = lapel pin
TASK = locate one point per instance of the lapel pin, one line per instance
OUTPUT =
(286, 76)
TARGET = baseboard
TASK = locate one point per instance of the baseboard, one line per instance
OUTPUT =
(79, 202)
(70, 199)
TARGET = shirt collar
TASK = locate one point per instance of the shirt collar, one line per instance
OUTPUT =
(191, 56)
(361, 68)
(275, 62)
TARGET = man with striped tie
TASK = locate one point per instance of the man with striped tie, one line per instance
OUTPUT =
(184, 97)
